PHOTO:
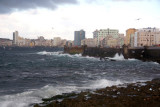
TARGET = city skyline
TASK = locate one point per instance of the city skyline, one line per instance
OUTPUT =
(61, 18)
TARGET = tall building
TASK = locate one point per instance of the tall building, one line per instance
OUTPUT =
(128, 35)
(103, 33)
(78, 36)
(15, 38)
(95, 34)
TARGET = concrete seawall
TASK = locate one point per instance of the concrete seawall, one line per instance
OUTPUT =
(93, 51)
(73, 50)
(101, 52)
(142, 53)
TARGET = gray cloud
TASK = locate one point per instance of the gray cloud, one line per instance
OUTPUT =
(8, 6)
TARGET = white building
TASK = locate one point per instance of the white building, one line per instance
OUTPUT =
(135, 39)
(102, 33)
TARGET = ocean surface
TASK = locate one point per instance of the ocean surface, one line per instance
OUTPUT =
(28, 76)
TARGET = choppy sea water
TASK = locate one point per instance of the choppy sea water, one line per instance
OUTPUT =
(27, 77)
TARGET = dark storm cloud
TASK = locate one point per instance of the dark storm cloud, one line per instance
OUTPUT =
(8, 6)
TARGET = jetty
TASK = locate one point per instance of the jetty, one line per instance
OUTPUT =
(145, 53)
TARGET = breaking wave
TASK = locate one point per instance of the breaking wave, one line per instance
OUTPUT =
(31, 97)
(61, 54)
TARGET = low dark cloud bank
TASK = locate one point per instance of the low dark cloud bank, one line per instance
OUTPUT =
(8, 6)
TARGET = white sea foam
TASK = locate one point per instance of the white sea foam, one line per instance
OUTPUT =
(117, 57)
(29, 97)
(49, 53)
(121, 58)
(61, 54)
(26, 99)
(102, 83)
(132, 59)
(156, 63)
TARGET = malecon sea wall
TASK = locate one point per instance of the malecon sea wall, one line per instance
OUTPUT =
(93, 51)
(101, 52)
(73, 50)
(142, 53)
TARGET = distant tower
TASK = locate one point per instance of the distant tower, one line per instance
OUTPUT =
(15, 38)
(78, 36)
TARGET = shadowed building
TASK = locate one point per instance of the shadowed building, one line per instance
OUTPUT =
(78, 36)
(15, 38)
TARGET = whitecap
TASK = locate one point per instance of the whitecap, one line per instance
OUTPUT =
(61, 54)
(117, 57)
(102, 83)
(25, 99)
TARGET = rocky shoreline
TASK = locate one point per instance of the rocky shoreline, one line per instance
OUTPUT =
(140, 94)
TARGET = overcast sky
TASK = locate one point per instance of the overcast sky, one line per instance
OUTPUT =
(52, 18)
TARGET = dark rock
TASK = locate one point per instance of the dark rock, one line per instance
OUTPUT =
(134, 94)
(112, 60)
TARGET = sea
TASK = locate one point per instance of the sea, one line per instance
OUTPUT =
(28, 76)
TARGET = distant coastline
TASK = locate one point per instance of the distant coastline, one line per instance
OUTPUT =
(34, 48)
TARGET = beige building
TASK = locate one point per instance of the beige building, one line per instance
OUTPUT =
(109, 42)
(48, 42)
(21, 41)
(63, 42)
(40, 41)
(89, 42)
(112, 42)
(5, 42)
(121, 40)
(56, 41)
(104, 42)
(27, 42)
(147, 37)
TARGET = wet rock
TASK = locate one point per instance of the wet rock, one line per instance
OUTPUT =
(112, 60)
(132, 95)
